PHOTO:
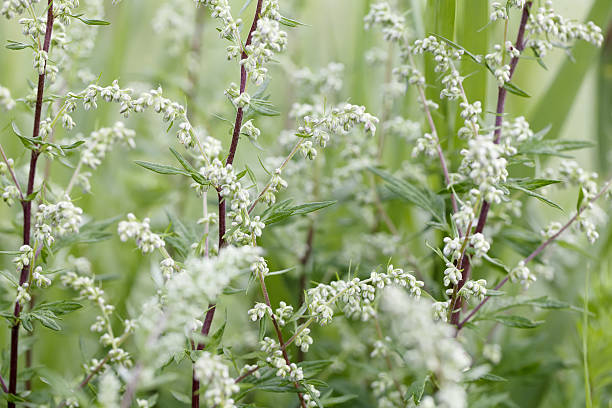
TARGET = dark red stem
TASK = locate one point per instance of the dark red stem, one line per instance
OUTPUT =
(501, 105)
(210, 314)
(27, 210)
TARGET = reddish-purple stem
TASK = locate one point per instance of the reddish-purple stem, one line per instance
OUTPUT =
(210, 314)
(501, 104)
(27, 210)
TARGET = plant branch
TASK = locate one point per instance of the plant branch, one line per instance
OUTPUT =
(27, 208)
(538, 251)
(501, 104)
(279, 334)
(210, 314)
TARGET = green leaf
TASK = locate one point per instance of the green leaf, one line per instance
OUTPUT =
(9, 277)
(263, 107)
(533, 184)
(580, 198)
(283, 210)
(510, 87)
(47, 319)
(530, 193)
(14, 45)
(195, 175)
(551, 147)
(212, 342)
(94, 22)
(422, 198)
(491, 378)
(72, 145)
(519, 322)
(161, 168)
(417, 389)
(289, 22)
(59, 308)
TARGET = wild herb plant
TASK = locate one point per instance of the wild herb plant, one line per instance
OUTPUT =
(406, 308)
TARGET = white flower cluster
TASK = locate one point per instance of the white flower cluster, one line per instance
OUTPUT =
(277, 360)
(548, 29)
(498, 11)
(576, 175)
(444, 55)
(100, 142)
(87, 289)
(484, 165)
(452, 274)
(225, 180)
(6, 102)
(473, 288)
(25, 257)
(146, 240)
(11, 8)
(386, 393)
(522, 274)
(39, 278)
(515, 132)
(440, 310)
(214, 375)
(56, 220)
(10, 194)
(339, 121)
(356, 296)
(221, 9)
(171, 111)
(429, 345)
(393, 24)
(495, 62)
(267, 39)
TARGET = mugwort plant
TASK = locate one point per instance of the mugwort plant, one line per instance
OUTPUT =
(335, 248)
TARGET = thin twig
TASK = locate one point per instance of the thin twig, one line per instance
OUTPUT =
(11, 172)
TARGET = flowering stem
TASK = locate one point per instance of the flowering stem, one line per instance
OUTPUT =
(210, 314)
(501, 104)
(434, 132)
(27, 209)
(537, 251)
(279, 334)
